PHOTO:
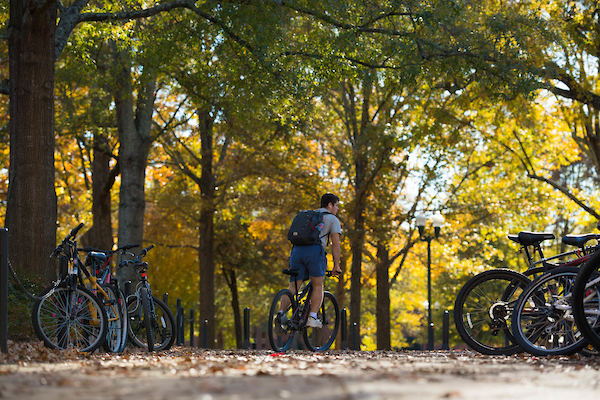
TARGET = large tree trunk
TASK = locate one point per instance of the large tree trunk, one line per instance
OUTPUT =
(206, 267)
(103, 178)
(384, 341)
(102, 181)
(134, 129)
(231, 279)
(31, 203)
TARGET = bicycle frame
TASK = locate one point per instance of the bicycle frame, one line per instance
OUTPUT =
(544, 264)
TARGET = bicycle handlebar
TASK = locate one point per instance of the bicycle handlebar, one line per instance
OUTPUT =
(75, 230)
(123, 248)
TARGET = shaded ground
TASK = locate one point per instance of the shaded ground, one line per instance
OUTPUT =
(31, 371)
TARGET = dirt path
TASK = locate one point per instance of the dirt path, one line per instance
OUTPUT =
(30, 371)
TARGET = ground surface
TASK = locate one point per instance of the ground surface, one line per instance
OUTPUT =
(30, 371)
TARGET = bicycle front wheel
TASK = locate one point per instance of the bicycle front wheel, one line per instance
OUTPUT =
(542, 321)
(69, 318)
(116, 336)
(483, 309)
(281, 327)
(586, 300)
(321, 339)
(163, 327)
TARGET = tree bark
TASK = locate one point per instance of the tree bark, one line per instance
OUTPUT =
(231, 279)
(206, 267)
(384, 341)
(103, 178)
(134, 129)
(31, 203)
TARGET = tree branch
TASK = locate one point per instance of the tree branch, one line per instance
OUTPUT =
(567, 193)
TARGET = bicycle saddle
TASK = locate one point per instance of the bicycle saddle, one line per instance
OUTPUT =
(526, 238)
(98, 255)
(292, 272)
(579, 240)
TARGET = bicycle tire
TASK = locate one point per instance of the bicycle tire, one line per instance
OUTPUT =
(149, 317)
(483, 308)
(116, 336)
(586, 300)
(542, 320)
(164, 328)
(281, 330)
(321, 339)
(68, 317)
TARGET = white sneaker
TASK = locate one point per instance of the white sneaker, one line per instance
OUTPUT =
(314, 322)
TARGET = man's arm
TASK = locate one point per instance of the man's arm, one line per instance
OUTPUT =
(335, 252)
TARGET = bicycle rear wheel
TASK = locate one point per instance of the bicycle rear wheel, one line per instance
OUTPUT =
(483, 309)
(586, 300)
(116, 337)
(321, 339)
(280, 327)
(542, 320)
(69, 318)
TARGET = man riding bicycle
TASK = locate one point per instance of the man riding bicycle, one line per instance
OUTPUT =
(310, 261)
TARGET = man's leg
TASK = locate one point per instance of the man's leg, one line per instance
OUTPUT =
(317, 294)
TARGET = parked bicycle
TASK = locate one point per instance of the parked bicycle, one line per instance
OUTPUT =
(586, 300)
(282, 327)
(151, 323)
(99, 263)
(67, 315)
(484, 306)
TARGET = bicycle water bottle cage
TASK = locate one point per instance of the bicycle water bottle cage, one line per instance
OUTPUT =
(526, 238)
(579, 240)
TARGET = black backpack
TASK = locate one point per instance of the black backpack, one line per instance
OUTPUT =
(306, 227)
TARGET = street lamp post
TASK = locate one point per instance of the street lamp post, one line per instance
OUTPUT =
(437, 222)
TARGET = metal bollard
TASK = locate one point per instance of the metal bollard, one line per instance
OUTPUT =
(127, 289)
(355, 344)
(4, 290)
(246, 343)
(344, 329)
(191, 327)
(446, 331)
(62, 266)
(204, 333)
(430, 344)
(179, 324)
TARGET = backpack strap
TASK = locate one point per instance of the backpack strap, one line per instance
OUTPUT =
(328, 235)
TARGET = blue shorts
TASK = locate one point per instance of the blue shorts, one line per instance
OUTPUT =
(309, 260)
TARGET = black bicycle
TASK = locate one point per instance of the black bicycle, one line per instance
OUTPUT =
(151, 323)
(67, 315)
(283, 326)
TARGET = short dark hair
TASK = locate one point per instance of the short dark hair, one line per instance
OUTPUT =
(329, 198)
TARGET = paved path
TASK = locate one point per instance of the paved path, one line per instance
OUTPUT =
(33, 372)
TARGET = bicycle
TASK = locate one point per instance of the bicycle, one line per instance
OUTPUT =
(151, 323)
(283, 327)
(67, 315)
(484, 306)
(586, 300)
(542, 320)
(99, 263)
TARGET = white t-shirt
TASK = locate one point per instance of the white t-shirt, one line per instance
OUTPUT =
(331, 224)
